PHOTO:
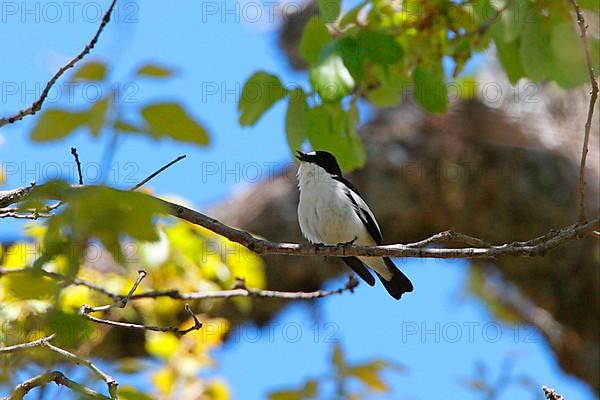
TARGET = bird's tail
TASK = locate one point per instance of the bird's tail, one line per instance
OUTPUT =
(398, 284)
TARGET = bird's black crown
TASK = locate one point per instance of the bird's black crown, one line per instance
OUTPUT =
(323, 159)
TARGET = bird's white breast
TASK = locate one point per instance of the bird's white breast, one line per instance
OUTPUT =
(325, 213)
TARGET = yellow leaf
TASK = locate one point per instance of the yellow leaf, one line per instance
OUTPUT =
(164, 380)
(161, 344)
(217, 389)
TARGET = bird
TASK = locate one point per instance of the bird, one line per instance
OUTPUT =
(332, 212)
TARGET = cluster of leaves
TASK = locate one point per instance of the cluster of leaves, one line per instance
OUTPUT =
(118, 109)
(381, 50)
(339, 383)
(97, 237)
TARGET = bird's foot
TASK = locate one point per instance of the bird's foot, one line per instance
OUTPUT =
(349, 243)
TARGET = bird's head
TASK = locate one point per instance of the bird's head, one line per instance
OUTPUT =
(322, 159)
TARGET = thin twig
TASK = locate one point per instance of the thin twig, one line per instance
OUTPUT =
(590, 115)
(451, 236)
(78, 360)
(76, 156)
(33, 215)
(152, 175)
(28, 345)
(350, 285)
(37, 105)
(60, 379)
(85, 310)
(551, 394)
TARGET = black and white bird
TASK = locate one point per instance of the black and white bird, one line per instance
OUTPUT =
(331, 211)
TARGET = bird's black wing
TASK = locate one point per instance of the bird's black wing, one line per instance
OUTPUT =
(363, 211)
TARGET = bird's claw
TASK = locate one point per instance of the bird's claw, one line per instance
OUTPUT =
(349, 243)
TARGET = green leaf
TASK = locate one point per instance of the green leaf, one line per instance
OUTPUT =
(329, 9)
(55, 124)
(510, 58)
(568, 68)
(110, 215)
(593, 5)
(388, 85)
(29, 285)
(332, 129)
(508, 27)
(535, 49)
(131, 393)
(430, 89)
(260, 92)
(330, 77)
(97, 115)
(90, 71)
(352, 55)
(315, 37)
(296, 119)
(172, 120)
(71, 329)
(379, 47)
(154, 71)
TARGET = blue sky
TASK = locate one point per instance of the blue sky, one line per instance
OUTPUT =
(211, 47)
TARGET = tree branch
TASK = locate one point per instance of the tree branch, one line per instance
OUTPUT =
(76, 156)
(60, 379)
(536, 247)
(593, 98)
(74, 358)
(85, 310)
(152, 175)
(37, 105)
(29, 345)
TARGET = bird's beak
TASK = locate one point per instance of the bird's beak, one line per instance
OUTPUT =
(301, 156)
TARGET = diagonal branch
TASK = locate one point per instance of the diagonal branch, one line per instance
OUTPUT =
(74, 358)
(60, 379)
(37, 105)
(593, 97)
(158, 171)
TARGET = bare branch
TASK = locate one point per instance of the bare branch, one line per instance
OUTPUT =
(60, 379)
(536, 247)
(590, 115)
(37, 105)
(29, 345)
(152, 175)
(350, 285)
(76, 156)
(451, 236)
(33, 215)
(85, 310)
(78, 360)
(261, 246)
(551, 394)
